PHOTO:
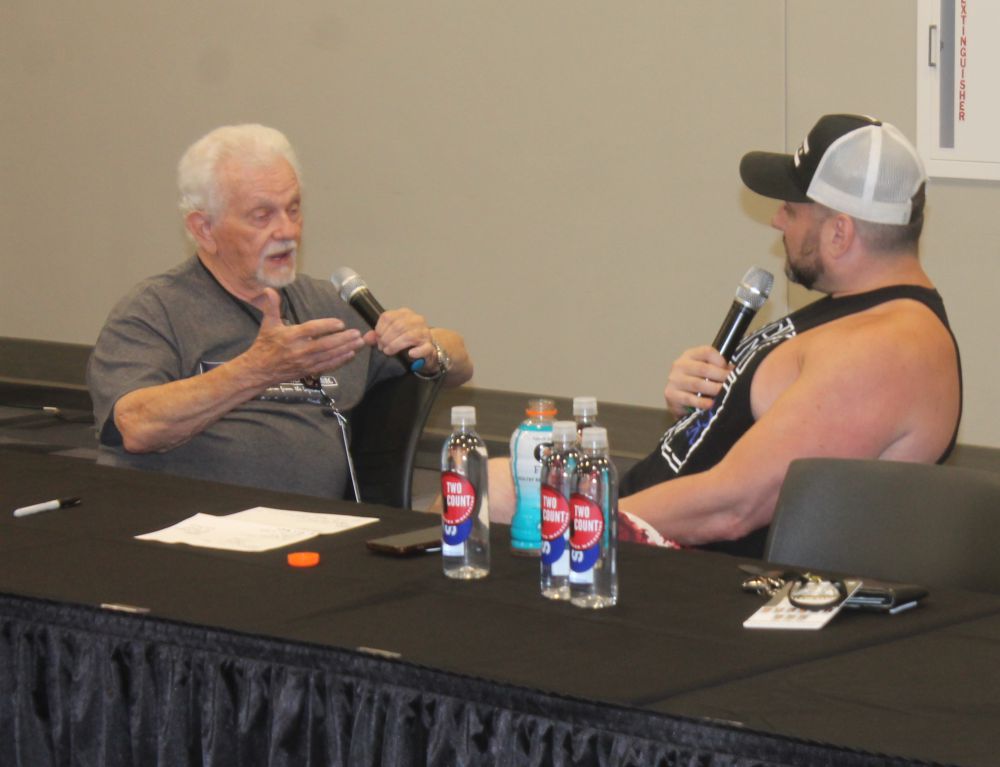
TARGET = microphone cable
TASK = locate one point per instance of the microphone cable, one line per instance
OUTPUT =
(342, 422)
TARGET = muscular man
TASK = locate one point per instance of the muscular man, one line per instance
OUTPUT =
(869, 371)
(224, 367)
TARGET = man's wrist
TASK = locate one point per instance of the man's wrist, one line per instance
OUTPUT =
(441, 364)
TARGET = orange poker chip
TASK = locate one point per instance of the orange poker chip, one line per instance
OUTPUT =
(303, 558)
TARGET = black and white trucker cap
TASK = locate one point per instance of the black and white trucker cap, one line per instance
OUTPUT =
(851, 163)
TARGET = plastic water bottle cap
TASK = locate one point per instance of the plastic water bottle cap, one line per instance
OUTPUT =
(584, 405)
(463, 415)
(563, 431)
(594, 437)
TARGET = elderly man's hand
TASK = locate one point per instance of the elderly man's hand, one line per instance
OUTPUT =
(402, 330)
(288, 352)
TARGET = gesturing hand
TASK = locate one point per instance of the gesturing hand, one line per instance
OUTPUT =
(288, 352)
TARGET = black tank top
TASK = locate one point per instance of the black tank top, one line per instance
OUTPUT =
(698, 441)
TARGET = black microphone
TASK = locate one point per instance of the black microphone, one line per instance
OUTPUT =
(354, 290)
(750, 296)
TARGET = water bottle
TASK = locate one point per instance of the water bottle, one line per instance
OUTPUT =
(526, 445)
(465, 521)
(558, 469)
(593, 575)
(585, 413)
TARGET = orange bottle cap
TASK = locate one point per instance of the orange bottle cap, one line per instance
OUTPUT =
(543, 407)
(303, 558)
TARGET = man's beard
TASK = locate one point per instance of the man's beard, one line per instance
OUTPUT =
(803, 274)
(280, 277)
(809, 267)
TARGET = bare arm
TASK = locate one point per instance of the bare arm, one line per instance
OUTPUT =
(866, 393)
(158, 418)
(400, 329)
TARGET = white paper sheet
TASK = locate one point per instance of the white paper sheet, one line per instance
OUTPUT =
(223, 533)
(303, 520)
(256, 529)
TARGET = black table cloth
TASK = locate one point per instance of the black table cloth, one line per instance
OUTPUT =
(374, 660)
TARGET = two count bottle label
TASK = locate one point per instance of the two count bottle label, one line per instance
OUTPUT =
(459, 502)
(585, 539)
(563, 550)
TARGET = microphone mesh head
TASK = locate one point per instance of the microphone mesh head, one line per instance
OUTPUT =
(347, 281)
(755, 288)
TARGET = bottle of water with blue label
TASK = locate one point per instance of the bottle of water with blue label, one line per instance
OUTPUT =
(526, 446)
(584, 413)
(593, 575)
(558, 471)
(465, 521)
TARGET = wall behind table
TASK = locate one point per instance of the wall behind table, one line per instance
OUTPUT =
(493, 164)
(500, 166)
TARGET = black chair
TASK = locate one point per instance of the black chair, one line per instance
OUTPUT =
(908, 522)
(385, 432)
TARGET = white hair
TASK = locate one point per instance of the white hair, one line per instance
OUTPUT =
(197, 172)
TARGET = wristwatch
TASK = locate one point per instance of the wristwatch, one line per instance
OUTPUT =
(443, 360)
(443, 363)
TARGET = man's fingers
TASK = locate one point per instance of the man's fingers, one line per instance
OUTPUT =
(321, 327)
(712, 373)
(330, 362)
(332, 344)
(705, 354)
(269, 302)
(402, 330)
(704, 386)
(700, 401)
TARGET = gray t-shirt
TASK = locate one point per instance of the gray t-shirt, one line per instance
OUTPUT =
(181, 323)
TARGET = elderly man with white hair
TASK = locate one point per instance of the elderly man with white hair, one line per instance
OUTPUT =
(225, 366)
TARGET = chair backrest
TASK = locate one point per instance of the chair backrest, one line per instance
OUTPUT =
(908, 522)
(385, 432)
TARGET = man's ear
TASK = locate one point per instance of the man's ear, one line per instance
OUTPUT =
(839, 234)
(199, 225)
